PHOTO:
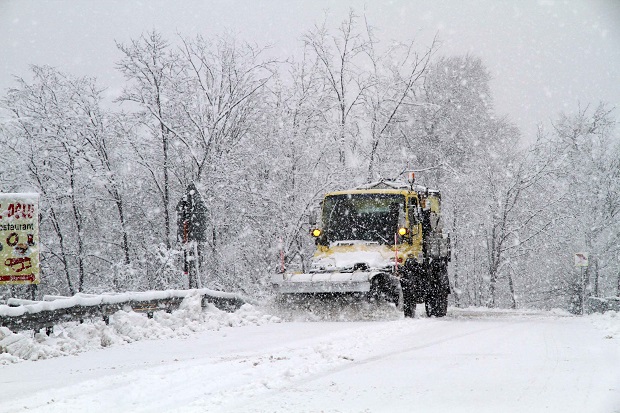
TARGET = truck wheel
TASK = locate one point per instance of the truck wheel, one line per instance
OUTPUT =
(381, 289)
(409, 303)
(409, 309)
(441, 305)
(398, 298)
(429, 305)
(437, 305)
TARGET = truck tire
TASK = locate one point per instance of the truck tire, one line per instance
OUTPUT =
(399, 298)
(411, 285)
(429, 305)
(382, 289)
(441, 305)
(437, 305)
(439, 288)
(409, 302)
(409, 308)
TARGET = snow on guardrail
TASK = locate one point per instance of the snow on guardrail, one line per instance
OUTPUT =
(34, 315)
(602, 304)
(191, 316)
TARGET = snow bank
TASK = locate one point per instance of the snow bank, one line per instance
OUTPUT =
(609, 322)
(472, 311)
(125, 327)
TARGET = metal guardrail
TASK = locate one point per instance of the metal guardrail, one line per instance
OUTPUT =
(20, 315)
(600, 305)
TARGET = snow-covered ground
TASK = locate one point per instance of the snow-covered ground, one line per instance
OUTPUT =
(474, 360)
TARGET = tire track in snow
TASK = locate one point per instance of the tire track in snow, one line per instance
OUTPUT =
(351, 361)
(522, 364)
(384, 355)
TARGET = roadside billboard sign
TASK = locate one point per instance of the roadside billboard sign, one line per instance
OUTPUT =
(19, 238)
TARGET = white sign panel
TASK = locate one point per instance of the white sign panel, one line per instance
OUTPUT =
(19, 239)
(581, 259)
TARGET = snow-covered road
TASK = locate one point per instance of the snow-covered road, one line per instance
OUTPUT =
(471, 361)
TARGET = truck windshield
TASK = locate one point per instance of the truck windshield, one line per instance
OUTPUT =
(364, 217)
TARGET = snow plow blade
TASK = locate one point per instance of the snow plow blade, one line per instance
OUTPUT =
(323, 283)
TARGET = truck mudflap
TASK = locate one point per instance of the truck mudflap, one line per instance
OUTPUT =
(324, 282)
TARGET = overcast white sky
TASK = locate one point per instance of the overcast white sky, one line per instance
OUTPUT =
(544, 56)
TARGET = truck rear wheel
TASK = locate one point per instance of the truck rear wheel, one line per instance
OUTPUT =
(409, 302)
(438, 290)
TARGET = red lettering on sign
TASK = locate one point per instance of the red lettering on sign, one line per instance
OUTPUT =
(18, 264)
(12, 239)
(12, 210)
(22, 277)
(19, 211)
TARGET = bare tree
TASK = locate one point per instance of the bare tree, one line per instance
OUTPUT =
(347, 81)
(390, 90)
(150, 66)
(592, 183)
(514, 220)
(219, 100)
(60, 134)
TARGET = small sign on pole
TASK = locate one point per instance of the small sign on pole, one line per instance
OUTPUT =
(581, 262)
(191, 216)
(191, 222)
(19, 239)
(581, 259)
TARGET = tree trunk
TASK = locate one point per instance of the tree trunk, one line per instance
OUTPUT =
(596, 277)
(121, 217)
(166, 188)
(454, 248)
(77, 216)
(511, 285)
(59, 234)
(494, 262)
(63, 253)
(342, 139)
(371, 163)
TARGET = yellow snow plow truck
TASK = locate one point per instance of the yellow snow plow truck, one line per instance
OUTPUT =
(382, 241)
